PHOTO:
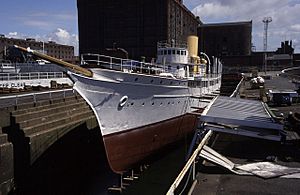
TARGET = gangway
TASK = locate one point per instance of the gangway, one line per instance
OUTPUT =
(228, 115)
(242, 117)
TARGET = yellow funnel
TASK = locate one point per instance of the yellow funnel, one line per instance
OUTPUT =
(192, 43)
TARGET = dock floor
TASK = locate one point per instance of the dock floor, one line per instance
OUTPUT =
(213, 179)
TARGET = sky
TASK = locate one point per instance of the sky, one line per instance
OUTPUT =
(56, 20)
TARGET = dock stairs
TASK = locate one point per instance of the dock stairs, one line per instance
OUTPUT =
(6, 164)
(43, 123)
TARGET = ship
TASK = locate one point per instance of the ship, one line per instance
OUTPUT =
(142, 107)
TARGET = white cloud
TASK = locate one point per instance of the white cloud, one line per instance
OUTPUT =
(62, 36)
(38, 24)
(295, 27)
(285, 15)
(15, 35)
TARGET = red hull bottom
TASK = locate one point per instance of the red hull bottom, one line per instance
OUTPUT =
(126, 149)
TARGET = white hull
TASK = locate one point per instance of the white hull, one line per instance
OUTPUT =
(151, 99)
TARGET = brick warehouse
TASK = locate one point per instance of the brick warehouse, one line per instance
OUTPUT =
(135, 25)
(226, 39)
(64, 52)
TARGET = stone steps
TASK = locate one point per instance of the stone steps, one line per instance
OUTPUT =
(3, 139)
(44, 123)
(47, 104)
(48, 111)
(56, 122)
(51, 117)
(38, 143)
(6, 164)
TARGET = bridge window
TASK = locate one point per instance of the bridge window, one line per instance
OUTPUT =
(178, 52)
(182, 52)
(169, 52)
(173, 52)
(165, 52)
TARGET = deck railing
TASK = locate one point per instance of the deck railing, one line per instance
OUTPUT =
(126, 65)
(30, 76)
(33, 97)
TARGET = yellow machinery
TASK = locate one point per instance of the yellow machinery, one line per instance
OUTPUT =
(192, 43)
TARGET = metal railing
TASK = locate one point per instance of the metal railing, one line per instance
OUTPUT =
(34, 97)
(126, 65)
(30, 76)
(293, 73)
(166, 44)
(190, 165)
(236, 91)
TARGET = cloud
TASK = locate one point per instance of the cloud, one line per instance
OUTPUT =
(62, 36)
(46, 21)
(15, 35)
(285, 14)
(295, 27)
(38, 24)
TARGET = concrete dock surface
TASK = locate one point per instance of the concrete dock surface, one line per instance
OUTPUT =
(214, 179)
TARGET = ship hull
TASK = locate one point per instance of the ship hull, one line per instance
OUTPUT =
(138, 114)
(128, 148)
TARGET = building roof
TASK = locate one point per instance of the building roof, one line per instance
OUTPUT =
(227, 24)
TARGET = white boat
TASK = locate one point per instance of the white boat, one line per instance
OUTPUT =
(19, 75)
(7, 67)
(143, 107)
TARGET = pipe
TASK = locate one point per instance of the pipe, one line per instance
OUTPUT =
(64, 64)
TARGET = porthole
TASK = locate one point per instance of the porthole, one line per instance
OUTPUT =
(171, 82)
(151, 81)
(143, 104)
(168, 103)
(152, 103)
(135, 79)
(160, 82)
(132, 104)
(161, 103)
(173, 103)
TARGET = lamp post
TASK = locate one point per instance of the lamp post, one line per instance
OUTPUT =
(266, 22)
